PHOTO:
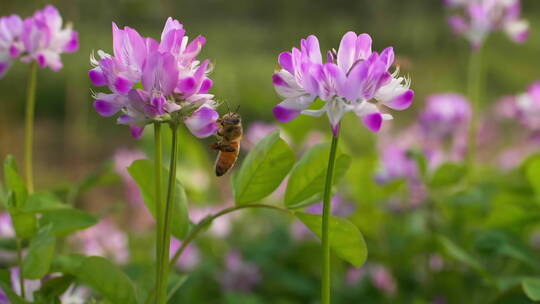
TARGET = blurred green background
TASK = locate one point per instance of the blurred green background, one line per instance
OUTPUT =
(244, 38)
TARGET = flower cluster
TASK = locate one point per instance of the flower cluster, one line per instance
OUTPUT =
(39, 38)
(149, 81)
(480, 17)
(352, 79)
(525, 107)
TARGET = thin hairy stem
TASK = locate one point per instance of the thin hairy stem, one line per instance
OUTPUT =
(474, 92)
(158, 201)
(166, 237)
(326, 273)
(29, 128)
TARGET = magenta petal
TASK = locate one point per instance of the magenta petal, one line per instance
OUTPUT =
(73, 44)
(4, 66)
(97, 77)
(187, 84)
(402, 101)
(41, 60)
(277, 80)
(105, 108)
(136, 131)
(283, 114)
(203, 122)
(373, 121)
(286, 62)
(205, 86)
(13, 51)
(122, 85)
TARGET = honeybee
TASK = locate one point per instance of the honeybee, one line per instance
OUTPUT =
(229, 137)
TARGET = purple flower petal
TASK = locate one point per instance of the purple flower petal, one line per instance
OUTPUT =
(73, 44)
(283, 114)
(136, 131)
(402, 101)
(106, 108)
(122, 85)
(373, 121)
(202, 123)
(286, 62)
(97, 77)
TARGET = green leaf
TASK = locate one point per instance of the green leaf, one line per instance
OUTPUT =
(264, 168)
(66, 221)
(459, 254)
(41, 202)
(142, 172)
(5, 285)
(533, 174)
(24, 223)
(40, 255)
(531, 287)
(14, 181)
(448, 174)
(345, 239)
(308, 175)
(52, 288)
(101, 275)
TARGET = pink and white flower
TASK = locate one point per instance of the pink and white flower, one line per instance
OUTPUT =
(353, 79)
(170, 78)
(481, 17)
(40, 38)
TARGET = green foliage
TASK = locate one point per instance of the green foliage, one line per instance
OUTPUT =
(345, 239)
(14, 182)
(142, 172)
(63, 222)
(5, 285)
(447, 174)
(101, 275)
(531, 287)
(262, 171)
(307, 178)
(40, 254)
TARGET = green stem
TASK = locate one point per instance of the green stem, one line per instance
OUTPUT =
(203, 224)
(326, 284)
(158, 201)
(29, 128)
(166, 237)
(474, 90)
(19, 261)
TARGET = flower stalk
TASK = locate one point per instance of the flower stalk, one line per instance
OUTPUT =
(474, 92)
(29, 128)
(326, 272)
(167, 217)
(158, 201)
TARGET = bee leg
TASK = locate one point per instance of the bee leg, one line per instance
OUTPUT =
(215, 146)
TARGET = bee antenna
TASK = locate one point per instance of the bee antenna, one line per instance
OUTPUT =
(237, 108)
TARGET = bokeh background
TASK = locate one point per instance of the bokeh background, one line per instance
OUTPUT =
(244, 38)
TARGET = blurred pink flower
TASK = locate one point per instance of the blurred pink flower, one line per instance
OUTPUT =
(239, 275)
(478, 18)
(354, 275)
(383, 280)
(103, 239)
(189, 259)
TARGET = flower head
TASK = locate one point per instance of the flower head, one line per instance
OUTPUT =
(445, 114)
(39, 38)
(352, 79)
(151, 81)
(480, 17)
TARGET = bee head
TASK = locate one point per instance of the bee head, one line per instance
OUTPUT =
(231, 119)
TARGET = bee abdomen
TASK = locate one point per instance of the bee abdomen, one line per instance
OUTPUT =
(226, 160)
